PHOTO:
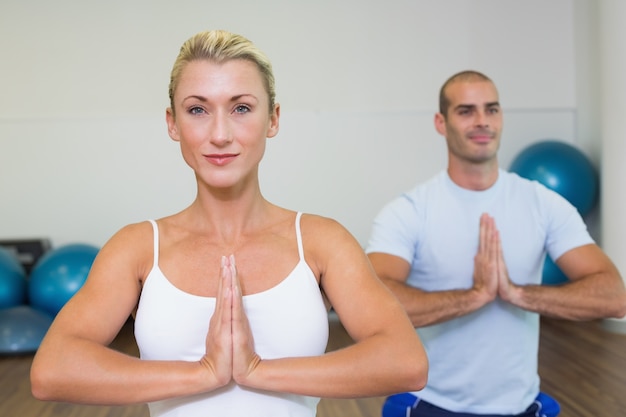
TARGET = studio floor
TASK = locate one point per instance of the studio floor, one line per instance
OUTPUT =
(581, 364)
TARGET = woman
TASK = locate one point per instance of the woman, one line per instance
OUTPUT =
(230, 295)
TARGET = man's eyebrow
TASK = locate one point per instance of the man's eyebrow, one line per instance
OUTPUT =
(465, 107)
(473, 106)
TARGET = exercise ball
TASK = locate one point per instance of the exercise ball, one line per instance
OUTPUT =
(22, 329)
(552, 274)
(562, 168)
(58, 275)
(12, 280)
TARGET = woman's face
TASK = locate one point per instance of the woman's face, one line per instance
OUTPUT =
(221, 120)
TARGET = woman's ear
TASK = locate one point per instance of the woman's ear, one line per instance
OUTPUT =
(272, 129)
(172, 129)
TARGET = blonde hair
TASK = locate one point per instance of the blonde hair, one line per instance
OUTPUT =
(221, 46)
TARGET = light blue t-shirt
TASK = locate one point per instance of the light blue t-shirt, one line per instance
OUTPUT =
(484, 362)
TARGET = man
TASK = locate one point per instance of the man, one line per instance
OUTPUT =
(464, 254)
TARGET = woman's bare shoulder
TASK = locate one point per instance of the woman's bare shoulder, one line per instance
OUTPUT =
(132, 242)
(324, 238)
(320, 227)
(134, 232)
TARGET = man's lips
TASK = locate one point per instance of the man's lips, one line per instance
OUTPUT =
(220, 159)
(482, 136)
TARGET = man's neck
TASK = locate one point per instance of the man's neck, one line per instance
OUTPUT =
(475, 177)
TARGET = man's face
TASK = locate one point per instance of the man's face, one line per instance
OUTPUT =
(473, 123)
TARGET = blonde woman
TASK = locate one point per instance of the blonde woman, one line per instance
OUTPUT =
(231, 294)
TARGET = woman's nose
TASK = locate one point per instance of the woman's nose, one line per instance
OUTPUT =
(220, 132)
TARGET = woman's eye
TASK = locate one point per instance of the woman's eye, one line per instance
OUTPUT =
(196, 110)
(242, 109)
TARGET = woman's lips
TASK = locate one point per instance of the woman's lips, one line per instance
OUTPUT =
(220, 159)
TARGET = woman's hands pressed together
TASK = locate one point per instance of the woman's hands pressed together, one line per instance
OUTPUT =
(230, 353)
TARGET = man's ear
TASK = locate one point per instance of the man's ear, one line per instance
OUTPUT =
(440, 124)
(172, 129)
(272, 129)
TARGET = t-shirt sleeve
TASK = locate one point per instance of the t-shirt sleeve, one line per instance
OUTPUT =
(566, 227)
(395, 230)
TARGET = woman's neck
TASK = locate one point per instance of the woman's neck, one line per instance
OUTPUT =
(229, 214)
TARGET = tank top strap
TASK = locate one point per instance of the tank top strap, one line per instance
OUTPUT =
(299, 236)
(155, 233)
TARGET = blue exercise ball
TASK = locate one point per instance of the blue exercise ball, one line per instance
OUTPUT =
(58, 275)
(562, 168)
(22, 329)
(13, 281)
(552, 274)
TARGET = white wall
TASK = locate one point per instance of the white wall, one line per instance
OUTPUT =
(83, 144)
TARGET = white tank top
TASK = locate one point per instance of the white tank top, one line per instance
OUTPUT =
(287, 320)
